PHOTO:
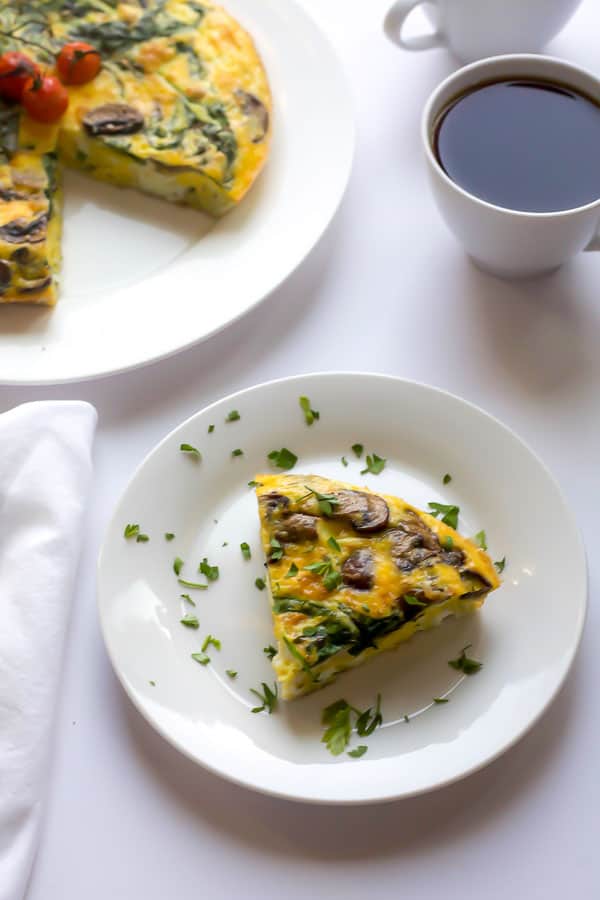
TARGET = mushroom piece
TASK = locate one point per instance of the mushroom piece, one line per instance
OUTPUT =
(23, 230)
(33, 286)
(296, 528)
(358, 570)
(274, 501)
(4, 275)
(113, 118)
(476, 585)
(366, 512)
(256, 111)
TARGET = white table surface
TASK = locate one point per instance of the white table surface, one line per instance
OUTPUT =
(388, 290)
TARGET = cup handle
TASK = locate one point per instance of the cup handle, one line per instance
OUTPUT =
(594, 244)
(394, 22)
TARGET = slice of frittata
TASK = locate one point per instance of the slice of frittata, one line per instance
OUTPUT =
(353, 573)
(30, 215)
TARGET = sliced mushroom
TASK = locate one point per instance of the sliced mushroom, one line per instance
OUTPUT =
(257, 113)
(33, 287)
(296, 528)
(20, 255)
(113, 118)
(358, 570)
(366, 512)
(453, 558)
(274, 501)
(23, 230)
(4, 276)
(7, 194)
(476, 585)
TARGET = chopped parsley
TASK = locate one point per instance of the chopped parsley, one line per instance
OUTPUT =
(211, 428)
(201, 658)
(193, 451)
(439, 700)
(358, 751)
(192, 584)
(449, 513)
(337, 716)
(233, 416)
(177, 565)
(276, 551)
(169, 536)
(325, 502)
(331, 577)
(231, 672)
(153, 683)
(141, 538)
(500, 564)
(447, 478)
(413, 601)
(283, 459)
(481, 540)
(260, 584)
(448, 543)
(270, 651)
(211, 572)
(358, 450)
(368, 721)
(237, 452)
(187, 598)
(406, 719)
(210, 640)
(310, 415)
(268, 698)
(464, 663)
(344, 461)
(131, 531)
(334, 544)
(375, 465)
(293, 570)
(246, 552)
(254, 484)
(190, 622)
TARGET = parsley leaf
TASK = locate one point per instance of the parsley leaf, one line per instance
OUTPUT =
(237, 452)
(177, 565)
(231, 672)
(153, 683)
(500, 564)
(375, 465)
(331, 578)
(268, 698)
(325, 502)
(270, 651)
(187, 598)
(358, 449)
(310, 415)
(190, 622)
(338, 717)
(293, 570)
(446, 479)
(245, 548)
(448, 543)
(233, 416)
(211, 572)
(358, 751)
(208, 640)
(131, 531)
(192, 584)
(276, 550)
(260, 584)
(201, 658)
(193, 451)
(141, 538)
(344, 461)
(254, 484)
(169, 536)
(480, 540)
(368, 721)
(413, 601)
(211, 428)
(334, 544)
(449, 513)
(440, 700)
(465, 664)
(283, 459)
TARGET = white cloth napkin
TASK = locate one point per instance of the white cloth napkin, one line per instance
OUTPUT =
(45, 468)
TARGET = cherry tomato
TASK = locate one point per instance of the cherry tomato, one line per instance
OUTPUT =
(78, 63)
(15, 70)
(45, 98)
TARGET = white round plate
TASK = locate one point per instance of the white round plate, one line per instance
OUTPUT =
(526, 635)
(143, 279)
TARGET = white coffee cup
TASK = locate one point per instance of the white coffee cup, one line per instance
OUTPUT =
(473, 29)
(510, 243)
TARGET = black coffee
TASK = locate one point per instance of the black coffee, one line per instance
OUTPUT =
(523, 144)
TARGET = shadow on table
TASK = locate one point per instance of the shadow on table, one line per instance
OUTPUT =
(405, 827)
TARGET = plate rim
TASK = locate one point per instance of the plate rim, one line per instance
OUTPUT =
(504, 747)
(344, 178)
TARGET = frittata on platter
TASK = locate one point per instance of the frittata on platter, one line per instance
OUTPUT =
(353, 573)
(180, 108)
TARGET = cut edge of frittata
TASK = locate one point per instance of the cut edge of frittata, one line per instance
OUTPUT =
(306, 604)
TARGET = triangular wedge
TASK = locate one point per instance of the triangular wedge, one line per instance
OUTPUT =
(353, 573)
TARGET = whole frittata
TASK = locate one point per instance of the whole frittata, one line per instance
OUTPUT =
(180, 109)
